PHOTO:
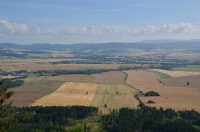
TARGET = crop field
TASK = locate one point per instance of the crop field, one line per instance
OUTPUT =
(188, 68)
(182, 81)
(114, 96)
(111, 90)
(94, 90)
(70, 93)
(33, 65)
(177, 73)
(171, 95)
(71, 78)
(33, 89)
(142, 80)
(161, 74)
(91, 90)
(106, 77)
(110, 77)
(36, 88)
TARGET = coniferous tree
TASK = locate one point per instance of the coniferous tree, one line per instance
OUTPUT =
(7, 117)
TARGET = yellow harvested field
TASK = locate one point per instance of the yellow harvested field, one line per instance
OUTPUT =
(114, 96)
(177, 73)
(110, 77)
(70, 93)
(179, 98)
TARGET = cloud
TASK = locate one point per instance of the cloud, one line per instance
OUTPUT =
(21, 31)
(16, 28)
(181, 28)
(8, 27)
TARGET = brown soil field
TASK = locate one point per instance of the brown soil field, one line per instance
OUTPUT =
(70, 78)
(110, 77)
(177, 73)
(30, 66)
(70, 93)
(33, 89)
(106, 77)
(177, 97)
(142, 80)
(114, 96)
(194, 81)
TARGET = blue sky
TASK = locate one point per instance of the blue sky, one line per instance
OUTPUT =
(75, 21)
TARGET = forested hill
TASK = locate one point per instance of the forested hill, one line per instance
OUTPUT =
(192, 45)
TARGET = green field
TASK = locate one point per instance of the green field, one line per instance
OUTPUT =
(189, 67)
(162, 75)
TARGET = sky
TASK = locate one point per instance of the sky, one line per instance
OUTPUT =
(94, 21)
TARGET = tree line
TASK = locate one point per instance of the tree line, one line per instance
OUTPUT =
(11, 83)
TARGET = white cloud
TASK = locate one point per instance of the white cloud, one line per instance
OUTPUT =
(93, 33)
(9, 27)
(181, 28)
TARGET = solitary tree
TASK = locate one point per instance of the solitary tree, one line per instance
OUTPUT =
(188, 83)
(7, 117)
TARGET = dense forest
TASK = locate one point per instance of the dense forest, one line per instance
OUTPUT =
(145, 119)
(53, 118)
(149, 119)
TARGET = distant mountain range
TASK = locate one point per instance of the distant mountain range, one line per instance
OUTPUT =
(145, 45)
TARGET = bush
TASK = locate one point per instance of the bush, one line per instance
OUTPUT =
(151, 93)
(151, 102)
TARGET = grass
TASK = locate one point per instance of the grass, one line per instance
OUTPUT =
(90, 124)
(162, 75)
(190, 67)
